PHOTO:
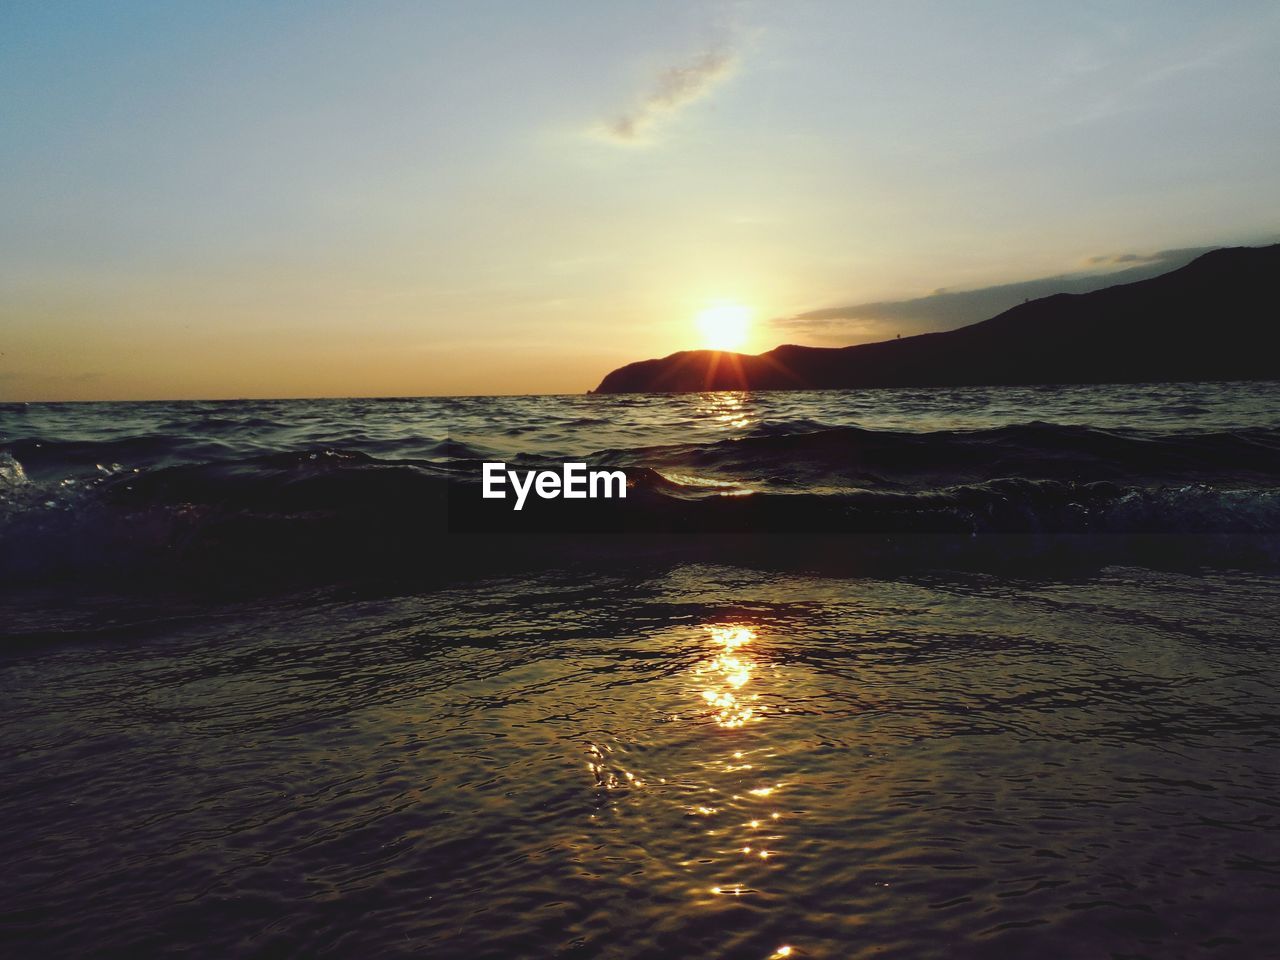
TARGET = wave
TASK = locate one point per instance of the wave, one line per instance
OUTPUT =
(856, 457)
(330, 512)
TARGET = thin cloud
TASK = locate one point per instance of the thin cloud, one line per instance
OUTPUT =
(946, 309)
(1178, 257)
(676, 87)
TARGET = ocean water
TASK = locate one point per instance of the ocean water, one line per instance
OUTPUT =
(901, 673)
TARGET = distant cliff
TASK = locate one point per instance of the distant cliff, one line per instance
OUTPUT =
(1217, 318)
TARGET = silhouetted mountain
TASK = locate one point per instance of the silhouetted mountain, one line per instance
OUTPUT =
(1217, 318)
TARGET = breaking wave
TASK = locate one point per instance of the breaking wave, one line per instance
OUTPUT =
(187, 506)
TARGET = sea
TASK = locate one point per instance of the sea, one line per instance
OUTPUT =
(902, 673)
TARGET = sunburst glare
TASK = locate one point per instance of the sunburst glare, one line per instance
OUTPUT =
(724, 326)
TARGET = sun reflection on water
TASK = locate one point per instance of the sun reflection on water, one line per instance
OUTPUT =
(605, 774)
(717, 809)
(726, 682)
(729, 409)
(726, 674)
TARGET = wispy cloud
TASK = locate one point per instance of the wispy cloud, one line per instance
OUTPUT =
(946, 309)
(1175, 257)
(675, 88)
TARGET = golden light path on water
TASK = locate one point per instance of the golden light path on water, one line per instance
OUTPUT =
(724, 679)
(728, 409)
(740, 822)
(732, 413)
(727, 674)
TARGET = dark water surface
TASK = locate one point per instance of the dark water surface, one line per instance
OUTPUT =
(312, 490)
(602, 750)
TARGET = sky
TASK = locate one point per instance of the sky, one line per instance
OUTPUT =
(392, 199)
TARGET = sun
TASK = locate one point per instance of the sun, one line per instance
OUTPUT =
(724, 326)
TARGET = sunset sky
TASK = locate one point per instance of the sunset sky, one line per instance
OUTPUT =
(304, 199)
